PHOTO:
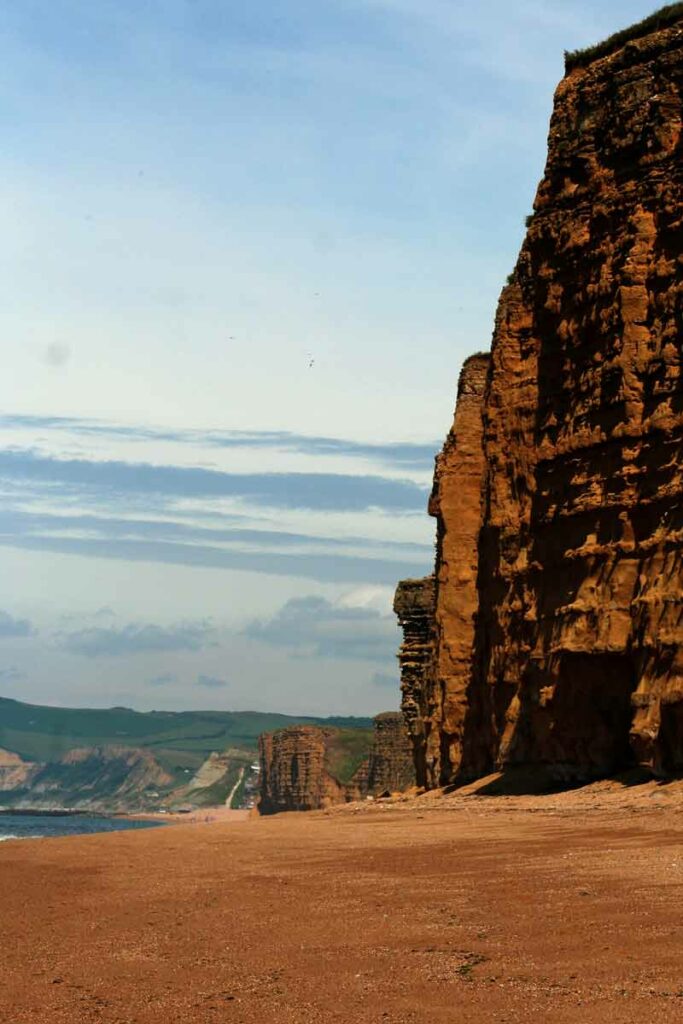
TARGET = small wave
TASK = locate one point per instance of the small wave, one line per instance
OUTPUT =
(10, 835)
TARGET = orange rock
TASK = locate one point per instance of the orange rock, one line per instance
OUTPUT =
(558, 613)
(414, 605)
(307, 768)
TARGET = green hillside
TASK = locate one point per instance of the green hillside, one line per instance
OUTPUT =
(346, 751)
(178, 739)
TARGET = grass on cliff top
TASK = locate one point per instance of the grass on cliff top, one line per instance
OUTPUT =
(662, 18)
(346, 751)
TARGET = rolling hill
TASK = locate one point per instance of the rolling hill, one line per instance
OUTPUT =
(120, 758)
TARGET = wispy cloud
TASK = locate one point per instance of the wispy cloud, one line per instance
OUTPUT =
(21, 522)
(164, 679)
(195, 516)
(323, 567)
(315, 491)
(137, 639)
(211, 682)
(313, 626)
(176, 496)
(11, 674)
(394, 454)
(11, 627)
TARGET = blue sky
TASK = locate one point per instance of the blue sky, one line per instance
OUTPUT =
(249, 247)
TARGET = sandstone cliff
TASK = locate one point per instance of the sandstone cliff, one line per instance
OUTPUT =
(306, 768)
(414, 604)
(390, 764)
(568, 650)
(294, 771)
(456, 502)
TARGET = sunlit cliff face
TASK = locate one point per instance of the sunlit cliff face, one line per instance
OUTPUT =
(574, 586)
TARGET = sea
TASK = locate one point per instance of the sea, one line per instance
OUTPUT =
(37, 826)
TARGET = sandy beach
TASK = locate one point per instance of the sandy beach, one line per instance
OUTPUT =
(440, 909)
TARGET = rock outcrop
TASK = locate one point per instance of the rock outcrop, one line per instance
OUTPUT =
(568, 651)
(456, 502)
(306, 767)
(414, 604)
(390, 765)
(294, 770)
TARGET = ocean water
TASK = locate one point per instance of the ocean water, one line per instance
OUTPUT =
(35, 826)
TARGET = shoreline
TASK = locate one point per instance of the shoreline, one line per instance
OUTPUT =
(49, 812)
(204, 814)
(200, 816)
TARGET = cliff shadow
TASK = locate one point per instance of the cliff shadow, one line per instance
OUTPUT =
(540, 780)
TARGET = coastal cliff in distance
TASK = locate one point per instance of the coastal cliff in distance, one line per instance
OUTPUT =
(556, 637)
(307, 768)
(116, 759)
(111, 779)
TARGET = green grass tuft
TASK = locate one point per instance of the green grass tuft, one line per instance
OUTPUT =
(346, 751)
(662, 18)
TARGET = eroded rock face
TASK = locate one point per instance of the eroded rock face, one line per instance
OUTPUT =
(390, 766)
(306, 768)
(576, 621)
(294, 775)
(414, 605)
(453, 746)
(441, 703)
(580, 581)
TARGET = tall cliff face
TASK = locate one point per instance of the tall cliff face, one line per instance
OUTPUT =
(453, 745)
(577, 659)
(581, 576)
(437, 613)
(294, 771)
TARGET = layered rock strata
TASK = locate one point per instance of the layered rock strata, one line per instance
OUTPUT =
(306, 768)
(414, 604)
(575, 626)
(390, 765)
(293, 770)
(456, 503)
